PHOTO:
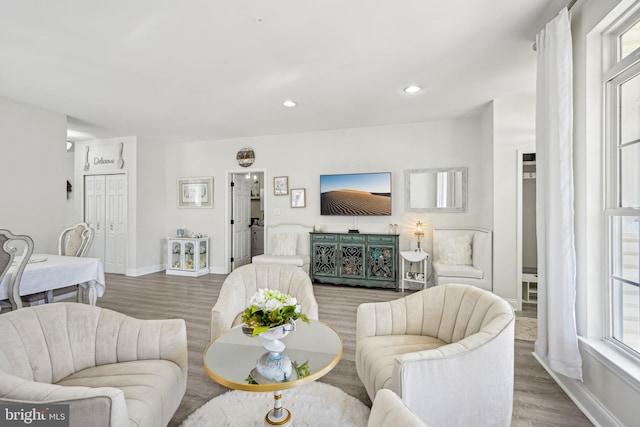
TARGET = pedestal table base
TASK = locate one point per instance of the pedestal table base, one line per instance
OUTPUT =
(278, 416)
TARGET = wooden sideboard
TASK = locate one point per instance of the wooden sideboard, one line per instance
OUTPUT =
(355, 259)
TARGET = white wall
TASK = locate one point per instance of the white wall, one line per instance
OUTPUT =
(513, 129)
(304, 157)
(33, 154)
(150, 212)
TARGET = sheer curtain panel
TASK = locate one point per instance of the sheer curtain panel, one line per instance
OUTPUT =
(557, 336)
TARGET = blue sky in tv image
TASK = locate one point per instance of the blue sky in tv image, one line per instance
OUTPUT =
(379, 182)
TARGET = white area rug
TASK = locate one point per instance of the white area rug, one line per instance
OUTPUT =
(526, 328)
(313, 404)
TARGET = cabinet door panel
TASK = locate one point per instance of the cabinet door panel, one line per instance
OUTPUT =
(381, 262)
(325, 259)
(352, 260)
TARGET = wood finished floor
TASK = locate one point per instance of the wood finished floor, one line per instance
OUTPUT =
(538, 400)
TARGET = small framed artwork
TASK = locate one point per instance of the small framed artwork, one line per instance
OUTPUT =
(298, 198)
(280, 185)
(195, 192)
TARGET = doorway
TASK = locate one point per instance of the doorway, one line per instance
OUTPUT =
(527, 259)
(246, 215)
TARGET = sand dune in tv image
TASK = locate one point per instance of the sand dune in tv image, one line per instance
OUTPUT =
(354, 202)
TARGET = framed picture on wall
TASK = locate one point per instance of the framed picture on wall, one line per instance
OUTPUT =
(195, 192)
(298, 198)
(280, 185)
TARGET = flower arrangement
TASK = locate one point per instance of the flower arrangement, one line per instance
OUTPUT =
(269, 308)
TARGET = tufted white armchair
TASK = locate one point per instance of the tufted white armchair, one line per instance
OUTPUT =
(287, 244)
(463, 255)
(447, 351)
(111, 369)
(243, 282)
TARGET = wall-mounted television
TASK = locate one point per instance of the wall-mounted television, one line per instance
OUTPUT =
(356, 194)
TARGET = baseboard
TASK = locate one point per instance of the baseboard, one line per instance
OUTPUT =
(584, 400)
(156, 268)
(146, 270)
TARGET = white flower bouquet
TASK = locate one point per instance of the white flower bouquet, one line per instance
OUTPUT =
(271, 308)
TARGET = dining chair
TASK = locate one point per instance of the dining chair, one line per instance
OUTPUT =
(76, 240)
(9, 243)
(73, 241)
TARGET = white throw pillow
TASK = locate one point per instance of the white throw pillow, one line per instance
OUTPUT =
(285, 244)
(455, 250)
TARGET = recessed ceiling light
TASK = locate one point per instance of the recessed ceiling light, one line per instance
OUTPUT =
(289, 103)
(412, 89)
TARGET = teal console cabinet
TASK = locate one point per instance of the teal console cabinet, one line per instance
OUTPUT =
(355, 259)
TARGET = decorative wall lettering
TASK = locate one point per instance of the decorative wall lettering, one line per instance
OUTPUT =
(103, 161)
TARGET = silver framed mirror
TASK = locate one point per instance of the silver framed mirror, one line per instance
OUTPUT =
(435, 190)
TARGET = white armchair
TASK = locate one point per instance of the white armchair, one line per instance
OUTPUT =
(447, 351)
(463, 255)
(111, 369)
(243, 282)
(287, 244)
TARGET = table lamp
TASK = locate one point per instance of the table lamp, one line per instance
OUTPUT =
(419, 232)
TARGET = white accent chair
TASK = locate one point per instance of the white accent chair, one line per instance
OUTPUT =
(388, 410)
(111, 369)
(8, 251)
(447, 351)
(287, 244)
(239, 286)
(463, 255)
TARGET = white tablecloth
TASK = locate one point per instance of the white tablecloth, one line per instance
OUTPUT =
(53, 272)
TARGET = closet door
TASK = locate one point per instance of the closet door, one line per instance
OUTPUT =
(116, 221)
(94, 212)
(105, 210)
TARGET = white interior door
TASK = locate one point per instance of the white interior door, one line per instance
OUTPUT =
(105, 210)
(116, 220)
(241, 220)
(94, 212)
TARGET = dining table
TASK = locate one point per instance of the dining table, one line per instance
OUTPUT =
(47, 272)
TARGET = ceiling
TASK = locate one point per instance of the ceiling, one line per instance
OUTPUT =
(211, 69)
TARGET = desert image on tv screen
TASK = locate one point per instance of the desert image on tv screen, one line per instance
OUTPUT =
(355, 194)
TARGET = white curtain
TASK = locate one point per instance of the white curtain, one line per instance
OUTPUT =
(557, 336)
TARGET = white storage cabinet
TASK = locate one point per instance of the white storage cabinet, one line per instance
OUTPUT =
(188, 256)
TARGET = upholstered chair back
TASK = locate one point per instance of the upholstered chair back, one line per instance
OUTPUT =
(49, 342)
(76, 240)
(450, 313)
(243, 282)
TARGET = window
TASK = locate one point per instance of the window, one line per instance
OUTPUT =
(629, 40)
(623, 188)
